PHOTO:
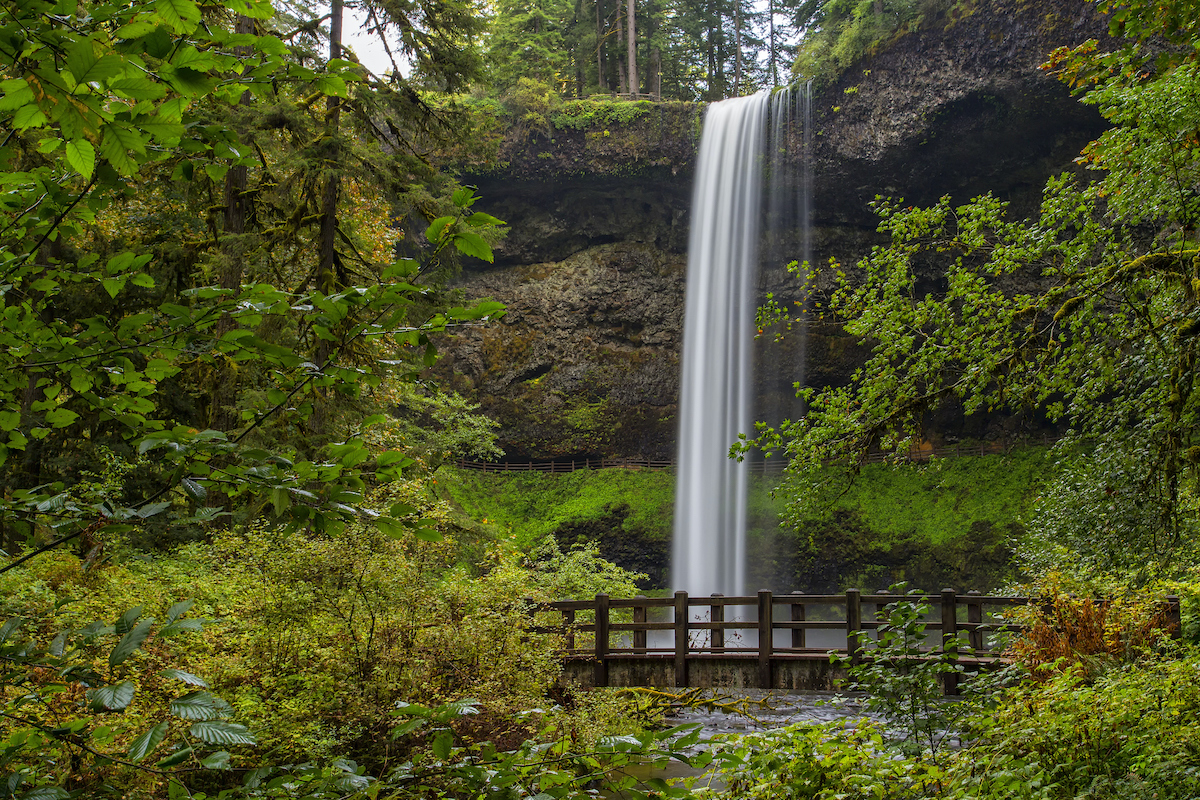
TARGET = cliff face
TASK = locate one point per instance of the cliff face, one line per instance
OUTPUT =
(587, 360)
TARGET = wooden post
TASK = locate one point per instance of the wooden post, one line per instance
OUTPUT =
(716, 637)
(1174, 617)
(601, 640)
(881, 612)
(975, 616)
(639, 637)
(853, 624)
(766, 637)
(949, 632)
(681, 639)
(797, 633)
(569, 624)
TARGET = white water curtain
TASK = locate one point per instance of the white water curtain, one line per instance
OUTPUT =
(709, 552)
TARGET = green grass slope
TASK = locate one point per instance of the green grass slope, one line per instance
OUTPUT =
(949, 522)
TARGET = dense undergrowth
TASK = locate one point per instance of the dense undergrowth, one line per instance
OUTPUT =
(310, 641)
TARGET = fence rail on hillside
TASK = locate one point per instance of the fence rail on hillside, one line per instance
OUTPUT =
(715, 640)
(772, 467)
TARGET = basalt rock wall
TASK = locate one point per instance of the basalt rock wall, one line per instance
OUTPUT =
(586, 363)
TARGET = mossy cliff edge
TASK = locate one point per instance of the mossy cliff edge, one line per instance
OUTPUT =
(597, 197)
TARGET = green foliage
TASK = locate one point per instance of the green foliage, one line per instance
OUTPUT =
(527, 45)
(902, 673)
(550, 766)
(947, 522)
(129, 718)
(181, 358)
(840, 32)
(1086, 314)
(534, 505)
(598, 113)
(1128, 734)
(942, 498)
(821, 762)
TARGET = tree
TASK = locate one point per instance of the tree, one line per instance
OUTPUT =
(106, 341)
(1104, 342)
(528, 41)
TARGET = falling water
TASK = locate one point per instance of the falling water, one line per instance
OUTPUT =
(717, 386)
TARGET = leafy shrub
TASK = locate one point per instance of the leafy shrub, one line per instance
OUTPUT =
(95, 703)
(1129, 733)
(591, 114)
(1064, 631)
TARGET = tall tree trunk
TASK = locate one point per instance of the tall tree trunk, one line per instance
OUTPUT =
(600, 77)
(656, 73)
(622, 84)
(631, 18)
(576, 50)
(774, 67)
(223, 415)
(327, 260)
(710, 52)
(737, 48)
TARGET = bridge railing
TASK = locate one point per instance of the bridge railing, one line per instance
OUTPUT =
(684, 628)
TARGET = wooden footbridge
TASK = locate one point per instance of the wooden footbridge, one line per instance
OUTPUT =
(765, 641)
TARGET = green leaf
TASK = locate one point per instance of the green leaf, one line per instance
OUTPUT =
(176, 758)
(437, 228)
(130, 642)
(87, 66)
(182, 15)
(186, 677)
(427, 534)
(222, 733)
(111, 698)
(407, 727)
(218, 760)
(117, 142)
(10, 625)
(281, 500)
(9, 420)
(29, 116)
(464, 197)
(442, 744)
(127, 620)
(331, 85)
(179, 609)
(479, 219)
(197, 705)
(139, 88)
(194, 490)
(46, 793)
(16, 94)
(82, 158)
(472, 244)
(391, 528)
(216, 172)
(144, 745)
(147, 511)
(61, 417)
(113, 286)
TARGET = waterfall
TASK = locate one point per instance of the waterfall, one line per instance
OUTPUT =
(717, 384)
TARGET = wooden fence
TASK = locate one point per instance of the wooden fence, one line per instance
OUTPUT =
(712, 630)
